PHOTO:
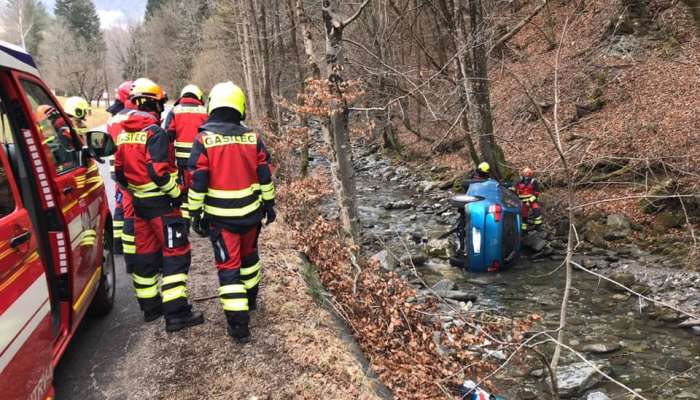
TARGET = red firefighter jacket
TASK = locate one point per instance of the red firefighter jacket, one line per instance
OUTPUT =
(144, 164)
(114, 128)
(231, 180)
(182, 123)
(528, 189)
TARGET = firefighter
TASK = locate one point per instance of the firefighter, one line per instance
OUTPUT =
(121, 100)
(121, 108)
(77, 109)
(155, 234)
(482, 172)
(231, 193)
(182, 124)
(528, 189)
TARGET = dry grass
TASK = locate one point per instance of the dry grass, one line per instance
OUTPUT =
(98, 116)
(296, 351)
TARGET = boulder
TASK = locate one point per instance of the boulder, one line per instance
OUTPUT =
(597, 395)
(593, 233)
(624, 278)
(575, 378)
(386, 261)
(617, 227)
(534, 242)
(651, 204)
(455, 295)
(601, 348)
(674, 364)
(413, 260)
(399, 205)
(444, 284)
(439, 248)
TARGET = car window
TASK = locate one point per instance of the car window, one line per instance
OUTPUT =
(508, 197)
(57, 136)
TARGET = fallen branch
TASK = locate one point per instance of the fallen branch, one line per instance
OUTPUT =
(503, 39)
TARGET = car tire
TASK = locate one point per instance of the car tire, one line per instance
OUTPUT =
(103, 301)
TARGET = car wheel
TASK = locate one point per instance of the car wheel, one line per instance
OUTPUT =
(104, 298)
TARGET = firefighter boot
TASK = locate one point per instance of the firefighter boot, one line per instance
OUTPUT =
(176, 323)
(252, 298)
(238, 327)
(152, 315)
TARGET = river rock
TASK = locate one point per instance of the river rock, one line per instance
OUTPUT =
(413, 260)
(439, 248)
(695, 330)
(444, 284)
(685, 395)
(674, 364)
(625, 278)
(399, 205)
(534, 242)
(597, 395)
(386, 261)
(601, 348)
(455, 295)
(593, 233)
(617, 227)
(575, 378)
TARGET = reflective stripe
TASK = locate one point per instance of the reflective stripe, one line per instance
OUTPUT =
(147, 293)
(229, 289)
(144, 280)
(146, 187)
(250, 270)
(184, 144)
(117, 223)
(234, 304)
(147, 195)
(174, 278)
(185, 213)
(232, 212)
(180, 154)
(233, 194)
(174, 293)
(196, 195)
(250, 283)
(128, 238)
(189, 109)
(268, 191)
(128, 248)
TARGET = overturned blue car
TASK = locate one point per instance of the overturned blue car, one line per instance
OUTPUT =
(487, 232)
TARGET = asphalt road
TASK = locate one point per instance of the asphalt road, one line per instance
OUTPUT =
(96, 352)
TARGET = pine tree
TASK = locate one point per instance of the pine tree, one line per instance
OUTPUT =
(81, 18)
(152, 6)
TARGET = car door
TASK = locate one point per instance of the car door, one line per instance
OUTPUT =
(26, 332)
(77, 199)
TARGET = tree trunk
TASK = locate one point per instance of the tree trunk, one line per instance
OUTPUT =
(339, 134)
(247, 59)
(266, 68)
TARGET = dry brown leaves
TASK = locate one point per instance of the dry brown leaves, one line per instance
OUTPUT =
(395, 332)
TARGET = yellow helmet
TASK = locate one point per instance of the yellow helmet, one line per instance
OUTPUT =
(144, 88)
(77, 107)
(227, 94)
(484, 167)
(193, 90)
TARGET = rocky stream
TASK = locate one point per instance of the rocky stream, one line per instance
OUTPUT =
(651, 349)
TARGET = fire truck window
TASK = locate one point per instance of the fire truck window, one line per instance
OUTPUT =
(58, 139)
(7, 202)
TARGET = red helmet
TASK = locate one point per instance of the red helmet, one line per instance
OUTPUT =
(123, 92)
(527, 172)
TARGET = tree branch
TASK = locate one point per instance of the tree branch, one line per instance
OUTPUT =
(518, 27)
(354, 17)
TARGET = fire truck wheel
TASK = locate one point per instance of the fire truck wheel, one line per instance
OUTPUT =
(104, 298)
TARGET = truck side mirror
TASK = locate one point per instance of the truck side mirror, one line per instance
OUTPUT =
(100, 144)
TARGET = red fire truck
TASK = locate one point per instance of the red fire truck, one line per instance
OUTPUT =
(56, 261)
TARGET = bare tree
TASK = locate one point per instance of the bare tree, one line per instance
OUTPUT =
(339, 133)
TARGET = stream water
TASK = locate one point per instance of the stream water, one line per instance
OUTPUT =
(646, 353)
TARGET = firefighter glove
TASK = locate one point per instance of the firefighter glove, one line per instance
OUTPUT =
(200, 224)
(270, 214)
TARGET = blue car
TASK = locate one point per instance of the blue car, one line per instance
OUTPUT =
(488, 229)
